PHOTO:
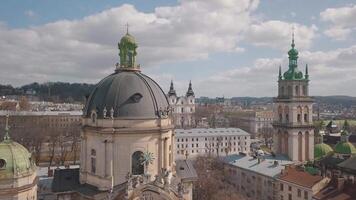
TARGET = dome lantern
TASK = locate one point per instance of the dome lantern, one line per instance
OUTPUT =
(127, 52)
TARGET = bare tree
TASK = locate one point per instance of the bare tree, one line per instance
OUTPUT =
(24, 103)
(212, 181)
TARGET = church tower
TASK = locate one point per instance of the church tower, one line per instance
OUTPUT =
(293, 122)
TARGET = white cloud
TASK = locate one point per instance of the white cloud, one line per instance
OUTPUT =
(277, 34)
(338, 33)
(342, 21)
(331, 73)
(86, 49)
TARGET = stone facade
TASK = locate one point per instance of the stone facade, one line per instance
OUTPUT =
(104, 142)
(126, 141)
(183, 107)
(293, 122)
(190, 143)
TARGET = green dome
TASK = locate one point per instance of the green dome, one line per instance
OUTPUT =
(293, 53)
(128, 39)
(345, 148)
(321, 150)
(15, 160)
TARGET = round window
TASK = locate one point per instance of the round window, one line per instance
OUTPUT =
(2, 163)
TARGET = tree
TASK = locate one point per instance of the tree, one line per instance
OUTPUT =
(212, 183)
(147, 159)
(24, 104)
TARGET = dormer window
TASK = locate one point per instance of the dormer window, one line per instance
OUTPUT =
(93, 117)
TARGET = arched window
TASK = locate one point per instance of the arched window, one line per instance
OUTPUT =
(299, 114)
(93, 161)
(285, 142)
(290, 91)
(280, 113)
(93, 117)
(286, 112)
(2, 163)
(281, 91)
(307, 145)
(300, 146)
(137, 167)
(305, 90)
(297, 90)
(306, 114)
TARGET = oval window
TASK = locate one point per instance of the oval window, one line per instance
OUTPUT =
(2, 163)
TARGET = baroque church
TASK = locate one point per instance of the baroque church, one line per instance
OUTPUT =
(127, 141)
(18, 176)
(183, 107)
(293, 124)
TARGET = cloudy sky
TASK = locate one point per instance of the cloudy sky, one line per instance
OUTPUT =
(226, 47)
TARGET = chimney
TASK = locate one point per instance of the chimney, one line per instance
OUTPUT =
(340, 182)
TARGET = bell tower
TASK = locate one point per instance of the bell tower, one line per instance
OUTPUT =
(293, 122)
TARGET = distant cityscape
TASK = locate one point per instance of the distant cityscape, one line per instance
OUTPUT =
(129, 137)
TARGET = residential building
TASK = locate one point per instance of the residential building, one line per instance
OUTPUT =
(190, 143)
(299, 183)
(252, 121)
(256, 177)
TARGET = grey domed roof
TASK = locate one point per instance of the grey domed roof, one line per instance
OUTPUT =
(129, 94)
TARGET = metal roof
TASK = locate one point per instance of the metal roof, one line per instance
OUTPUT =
(129, 94)
(267, 167)
(196, 132)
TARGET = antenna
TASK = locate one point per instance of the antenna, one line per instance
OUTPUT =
(293, 36)
(127, 28)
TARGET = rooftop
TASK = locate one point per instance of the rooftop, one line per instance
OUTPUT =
(38, 113)
(210, 132)
(267, 167)
(185, 170)
(349, 165)
(300, 177)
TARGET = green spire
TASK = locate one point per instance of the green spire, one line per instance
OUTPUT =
(7, 136)
(127, 47)
(293, 73)
(280, 72)
(306, 72)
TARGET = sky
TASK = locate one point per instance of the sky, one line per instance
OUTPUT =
(225, 47)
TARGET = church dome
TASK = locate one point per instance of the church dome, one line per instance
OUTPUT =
(126, 93)
(345, 148)
(128, 39)
(321, 150)
(15, 160)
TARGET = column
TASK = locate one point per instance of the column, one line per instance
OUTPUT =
(165, 152)
(108, 157)
(303, 146)
(161, 153)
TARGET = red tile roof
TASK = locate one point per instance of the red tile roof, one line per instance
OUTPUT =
(299, 177)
